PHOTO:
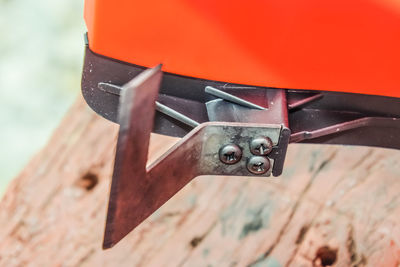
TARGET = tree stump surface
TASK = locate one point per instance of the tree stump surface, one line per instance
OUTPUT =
(333, 205)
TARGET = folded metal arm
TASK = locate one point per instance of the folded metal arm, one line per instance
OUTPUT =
(137, 191)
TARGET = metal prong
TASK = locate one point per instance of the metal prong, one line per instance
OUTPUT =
(110, 88)
(231, 98)
(176, 115)
(116, 90)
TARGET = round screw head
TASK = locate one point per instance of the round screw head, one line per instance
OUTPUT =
(258, 165)
(230, 154)
(261, 146)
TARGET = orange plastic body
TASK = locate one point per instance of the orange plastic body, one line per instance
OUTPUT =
(334, 45)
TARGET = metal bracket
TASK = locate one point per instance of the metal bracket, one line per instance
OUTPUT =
(211, 148)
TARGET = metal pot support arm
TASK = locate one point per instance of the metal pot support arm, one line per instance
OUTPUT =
(212, 148)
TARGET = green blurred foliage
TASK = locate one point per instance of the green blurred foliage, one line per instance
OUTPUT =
(41, 54)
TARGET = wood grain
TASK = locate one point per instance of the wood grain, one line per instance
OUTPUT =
(333, 204)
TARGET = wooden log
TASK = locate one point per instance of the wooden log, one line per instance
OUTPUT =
(334, 205)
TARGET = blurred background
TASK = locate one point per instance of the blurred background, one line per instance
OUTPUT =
(41, 55)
